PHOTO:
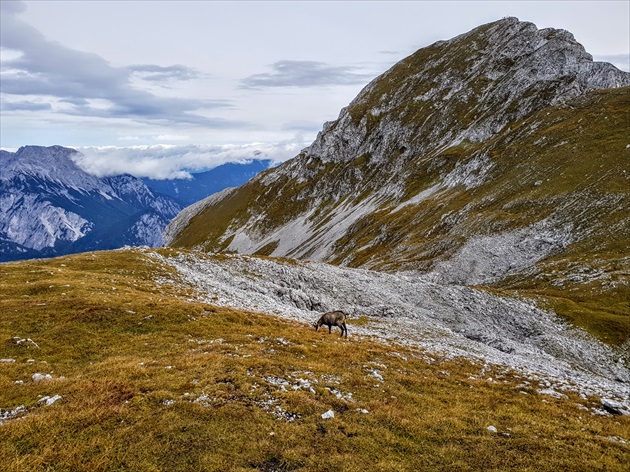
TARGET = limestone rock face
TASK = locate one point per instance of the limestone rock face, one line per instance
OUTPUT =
(496, 157)
(469, 87)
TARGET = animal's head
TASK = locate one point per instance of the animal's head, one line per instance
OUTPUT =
(315, 325)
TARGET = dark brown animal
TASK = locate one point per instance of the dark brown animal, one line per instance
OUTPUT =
(333, 318)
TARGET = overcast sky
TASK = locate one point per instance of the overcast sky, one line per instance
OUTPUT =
(193, 84)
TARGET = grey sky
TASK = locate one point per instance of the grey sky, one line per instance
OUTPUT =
(113, 73)
(305, 74)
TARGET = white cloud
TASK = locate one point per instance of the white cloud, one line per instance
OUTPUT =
(178, 72)
(167, 161)
(288, 73)
(8, 55)
(90, 86)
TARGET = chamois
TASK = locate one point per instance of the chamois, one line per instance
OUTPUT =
(333, 318)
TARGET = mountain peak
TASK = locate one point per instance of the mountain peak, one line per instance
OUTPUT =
(44, 155)
(467, 88)
(54, 149)
(495, 156)
(52, 164)
(50, 206)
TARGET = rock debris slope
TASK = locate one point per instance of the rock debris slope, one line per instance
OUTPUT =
(499, 157)
(447, 320)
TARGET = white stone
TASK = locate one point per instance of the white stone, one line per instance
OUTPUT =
(49, 400)
(614, 407)
(552, 393)
(37, 377)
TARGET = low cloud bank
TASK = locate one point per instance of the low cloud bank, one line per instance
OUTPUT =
(164, 161)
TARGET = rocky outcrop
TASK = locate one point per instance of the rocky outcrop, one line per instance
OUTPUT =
(468, 88)
(497, 157)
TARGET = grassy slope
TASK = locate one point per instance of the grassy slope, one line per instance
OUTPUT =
(569, 162)
(120, 348)
(573, 167)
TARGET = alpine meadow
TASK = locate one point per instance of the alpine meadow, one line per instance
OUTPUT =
(468, 213)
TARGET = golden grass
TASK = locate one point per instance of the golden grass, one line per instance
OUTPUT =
(150, 381)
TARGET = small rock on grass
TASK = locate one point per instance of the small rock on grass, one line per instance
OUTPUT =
(613, 407)
(49, 400)
(328, 414)
(37, 377)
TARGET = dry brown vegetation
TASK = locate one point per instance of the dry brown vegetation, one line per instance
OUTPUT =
(153, 381)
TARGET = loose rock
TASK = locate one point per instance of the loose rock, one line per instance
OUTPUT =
(37, 377)
(49, 400)
(613, 407)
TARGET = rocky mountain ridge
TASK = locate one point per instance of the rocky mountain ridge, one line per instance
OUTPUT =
(50, 206)
(497, 157)
(468, 88)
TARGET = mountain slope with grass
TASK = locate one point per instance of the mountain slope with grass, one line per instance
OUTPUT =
(463, 201)
(126, 360)
(498, 158)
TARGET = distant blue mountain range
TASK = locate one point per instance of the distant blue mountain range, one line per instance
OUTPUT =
(203, 184)
(49, 206)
